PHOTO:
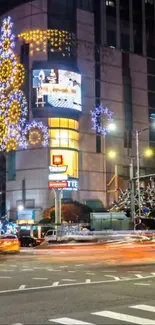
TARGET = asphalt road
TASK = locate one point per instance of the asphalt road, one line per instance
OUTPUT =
(39, 291)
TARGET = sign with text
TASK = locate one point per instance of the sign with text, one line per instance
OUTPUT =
(58, 169)
(55, 184)
(58, 177)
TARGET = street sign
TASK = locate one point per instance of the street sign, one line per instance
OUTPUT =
(58, 169)
(54, 184)
(57, 177)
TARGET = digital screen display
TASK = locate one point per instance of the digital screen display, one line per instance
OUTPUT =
(57, 88)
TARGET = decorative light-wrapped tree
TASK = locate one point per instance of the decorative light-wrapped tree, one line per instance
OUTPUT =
(147, 196)
(15, 132)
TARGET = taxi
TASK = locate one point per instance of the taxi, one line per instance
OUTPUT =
(9, 244)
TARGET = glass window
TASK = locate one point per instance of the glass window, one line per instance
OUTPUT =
(151, 83)
(11, 166)
(70, 158)
(151, 66)
(150, 28)
(71, 124)
(53, 122)
(64, 138)
(124, 25)
(151, 99)
(63, 123)
(137, 26)
(98, 143)
(151, 120)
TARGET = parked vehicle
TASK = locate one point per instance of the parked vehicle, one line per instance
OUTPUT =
(54, 236)
(9, 244)
(28, 241)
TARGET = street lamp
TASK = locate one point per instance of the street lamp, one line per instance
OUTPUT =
(148, 153)
(20, 207)
(111, 154)
(111, 127)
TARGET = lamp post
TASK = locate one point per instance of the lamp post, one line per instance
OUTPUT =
(110, 128)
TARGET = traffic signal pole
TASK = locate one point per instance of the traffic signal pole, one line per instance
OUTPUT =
(57, 193)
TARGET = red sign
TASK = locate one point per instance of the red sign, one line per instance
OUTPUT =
(57, 160)
(53, 184)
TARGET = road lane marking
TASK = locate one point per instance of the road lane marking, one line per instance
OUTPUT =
(116, 278)
(69, 280)
(5, 270)
(72, 271)
(125, 317)
(90, 273)
(134, 271)
(79, 264)
(142, 284)
(23, 286)
(69, 321)
(109, 271)
(88, 280)
(139, 276)
(5, 277)
(144, 307)
(53, 270)
(55, 284)
(27, 270)
(17, 324)
(74, 284)
(39, 278)
(63, 266)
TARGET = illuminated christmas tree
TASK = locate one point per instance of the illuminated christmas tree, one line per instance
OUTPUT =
(15, 132)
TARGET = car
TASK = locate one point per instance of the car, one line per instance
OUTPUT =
(9, 243)
(28, 241)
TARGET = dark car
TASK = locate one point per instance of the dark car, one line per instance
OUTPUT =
(28, 241)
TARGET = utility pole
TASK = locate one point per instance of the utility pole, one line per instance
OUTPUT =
(132, 194)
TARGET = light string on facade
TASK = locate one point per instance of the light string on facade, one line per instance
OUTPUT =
(15, 132)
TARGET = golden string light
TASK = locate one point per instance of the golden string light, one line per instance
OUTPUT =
(14, 112)
(19, 76)
(58, 40)
(11, 145)
(6, 44)
(35, 137)
(3, 129)
(6, 70)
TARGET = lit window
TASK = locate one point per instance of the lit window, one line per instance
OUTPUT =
(110, 3)
(64, 138)
(70, 159)
(63, 123)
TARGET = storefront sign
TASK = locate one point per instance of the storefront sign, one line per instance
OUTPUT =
(54, 184)
(57, 160)
(72, 185)
(58, 169)
(58, 177)
(26, 214)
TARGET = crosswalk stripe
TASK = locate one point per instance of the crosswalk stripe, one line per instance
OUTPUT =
(69, 321)
(144, 307)
(125, 317)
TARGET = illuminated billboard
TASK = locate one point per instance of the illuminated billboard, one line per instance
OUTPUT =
(57, 88)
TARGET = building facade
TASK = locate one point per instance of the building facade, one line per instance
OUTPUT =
(101, 52)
